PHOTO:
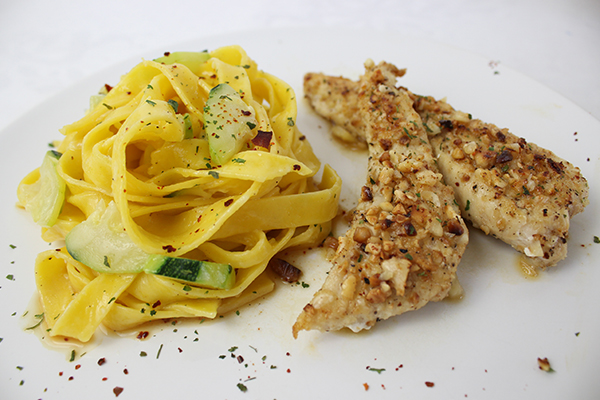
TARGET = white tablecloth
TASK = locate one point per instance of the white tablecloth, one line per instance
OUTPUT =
(46, 46)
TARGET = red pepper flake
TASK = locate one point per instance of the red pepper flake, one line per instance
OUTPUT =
(366, 386)
(78, 366)
(297, 167)
(71, 378)
(102, 361)
(169, 248)
(104, 379)
(286, 271)
(125, 371)
(288, 370)
(228, 202)
(143, 335)
(158, 303)
(117, 391)
(262, 139)
(167, 53)
(399, 366)
(180, 350)
(288, 354)
(429, 384)
(60, 373)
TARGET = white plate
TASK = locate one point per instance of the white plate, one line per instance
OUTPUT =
(485, 346)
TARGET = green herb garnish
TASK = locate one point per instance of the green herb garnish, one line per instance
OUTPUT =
(242, 387)
(173, 104)
(41, 318)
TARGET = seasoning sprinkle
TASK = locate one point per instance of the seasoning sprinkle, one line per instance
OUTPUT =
(544, 364)
(242, 387)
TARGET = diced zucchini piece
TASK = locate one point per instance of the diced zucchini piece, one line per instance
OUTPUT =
(188, 128)
(204, 273)
(191, 59)
(96, 99)
(46, 196)
(229, 123)
(101, 243)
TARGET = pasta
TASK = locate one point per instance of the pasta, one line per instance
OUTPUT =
(144, 148)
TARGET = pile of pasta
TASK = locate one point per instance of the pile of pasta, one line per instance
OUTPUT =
(152, 160)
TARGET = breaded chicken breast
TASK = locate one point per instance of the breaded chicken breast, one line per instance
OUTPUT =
(406, 236)
(336, 99)
(511, 189)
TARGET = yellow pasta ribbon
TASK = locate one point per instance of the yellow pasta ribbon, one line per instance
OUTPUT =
(144, 146)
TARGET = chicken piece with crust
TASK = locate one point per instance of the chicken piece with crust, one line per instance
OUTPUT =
(511, 189)
(336, 99)
(406, 236)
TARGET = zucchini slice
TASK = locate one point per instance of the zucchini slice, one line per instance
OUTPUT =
(191, 59)
(101, 243)
(46, 196)
(229, 123)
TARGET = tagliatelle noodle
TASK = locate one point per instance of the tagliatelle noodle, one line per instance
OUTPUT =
(153, 161)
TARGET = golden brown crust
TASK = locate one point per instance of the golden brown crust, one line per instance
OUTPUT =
(514, 190)
(336, 99)
(406, 236)
(511, 189)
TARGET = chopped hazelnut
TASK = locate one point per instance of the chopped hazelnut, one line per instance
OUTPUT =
(362, 234)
